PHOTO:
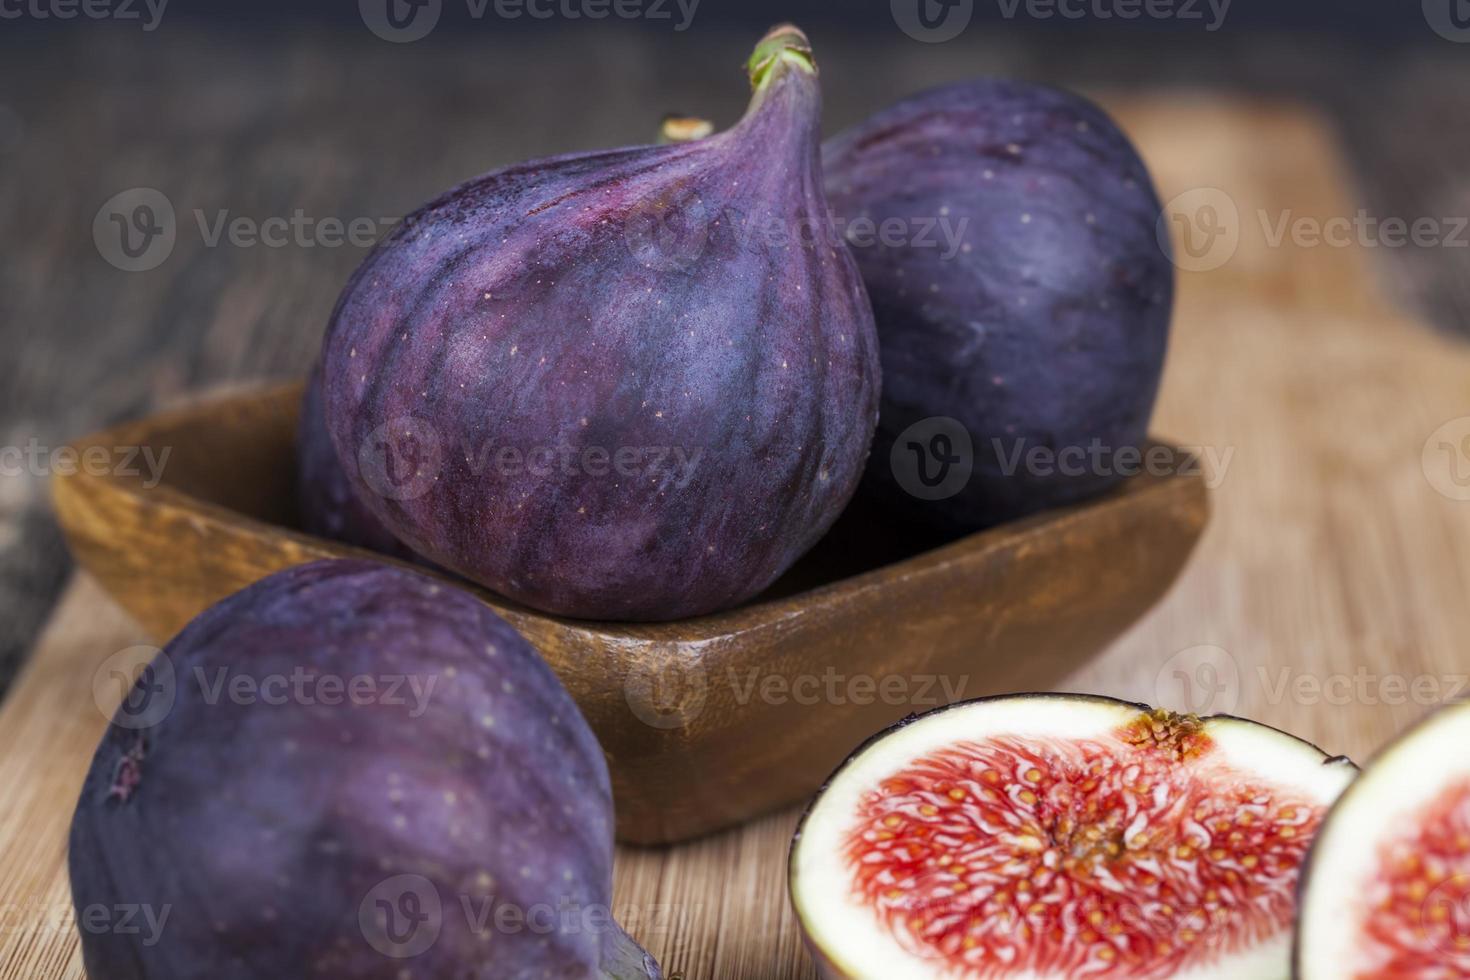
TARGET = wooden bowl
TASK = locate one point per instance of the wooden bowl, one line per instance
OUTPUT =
(709, 721)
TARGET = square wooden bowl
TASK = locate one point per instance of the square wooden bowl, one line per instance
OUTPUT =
(709, 721)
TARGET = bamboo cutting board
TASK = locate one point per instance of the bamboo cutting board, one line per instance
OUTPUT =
(1329, 596)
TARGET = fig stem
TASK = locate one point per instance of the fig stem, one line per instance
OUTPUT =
(783, 46)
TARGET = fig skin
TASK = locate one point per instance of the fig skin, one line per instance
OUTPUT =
(1046, 326)
(264, 827)
(326, 502)
(532, 309)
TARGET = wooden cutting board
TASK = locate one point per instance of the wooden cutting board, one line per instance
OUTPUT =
(1329, 596)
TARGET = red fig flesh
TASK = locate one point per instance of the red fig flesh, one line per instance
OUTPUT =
(1061, 836)
(1386, 892)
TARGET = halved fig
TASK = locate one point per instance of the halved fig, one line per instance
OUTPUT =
(1386, 890)
(1061, 836)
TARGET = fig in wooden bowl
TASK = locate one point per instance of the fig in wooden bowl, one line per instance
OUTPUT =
(635, 385)
(706, 721)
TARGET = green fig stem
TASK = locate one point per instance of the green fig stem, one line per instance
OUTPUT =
(680, 128)
(783, 48)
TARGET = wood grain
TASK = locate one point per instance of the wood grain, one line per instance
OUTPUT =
(708, 721)
(1330, 555)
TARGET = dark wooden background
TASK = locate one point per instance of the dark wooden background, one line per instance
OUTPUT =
(339, 124)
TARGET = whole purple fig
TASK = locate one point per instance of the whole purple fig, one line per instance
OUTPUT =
(327, 504)
(1007, 236)
(634, 384)
(354, 771)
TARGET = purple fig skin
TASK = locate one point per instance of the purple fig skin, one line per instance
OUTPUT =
(327, 504)
(1046, 328)
(266, 831)
(530, 311)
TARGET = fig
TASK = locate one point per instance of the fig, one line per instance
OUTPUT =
(634, 384)
(326, 502)
(1386, 889)
(1061, 836)
(1006, 233)
(349, 770)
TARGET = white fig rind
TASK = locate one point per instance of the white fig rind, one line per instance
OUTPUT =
(1407, 776)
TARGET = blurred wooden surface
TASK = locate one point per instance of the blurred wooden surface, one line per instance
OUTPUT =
(1329, 596)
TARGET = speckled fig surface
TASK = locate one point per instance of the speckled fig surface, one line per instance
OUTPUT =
(1007, 234)
(325, 499)
(634, 384)
(353, 771)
